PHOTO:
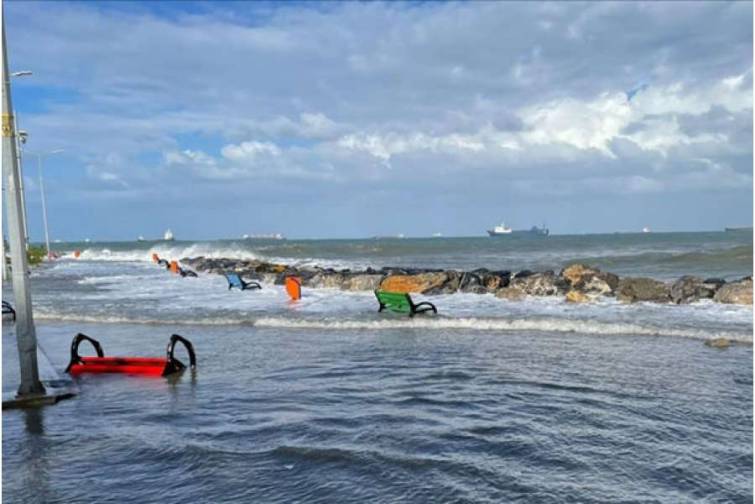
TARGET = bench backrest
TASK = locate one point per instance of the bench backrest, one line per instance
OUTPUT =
(395, 301)
(293, 287)
(234, 280)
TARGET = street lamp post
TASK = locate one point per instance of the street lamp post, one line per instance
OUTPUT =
(40, 155)
(21, 137)
(26, 336)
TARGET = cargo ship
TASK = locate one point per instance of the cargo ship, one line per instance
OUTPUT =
(503, 230)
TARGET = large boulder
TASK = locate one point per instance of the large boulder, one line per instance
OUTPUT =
(419, 283)
(471, 282)
(589, 280)
(689, 289)
(539, 284)
(451, 285)
(631, 290)
(362, 282)
(739, 292)
(575, 272)
(494, 280)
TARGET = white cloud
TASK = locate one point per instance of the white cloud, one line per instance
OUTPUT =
(462, 94)
(581, 124)
(250, 151)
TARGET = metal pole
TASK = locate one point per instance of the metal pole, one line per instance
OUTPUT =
(21, 179)
(26, 337)
(6, 266)
(44, 206)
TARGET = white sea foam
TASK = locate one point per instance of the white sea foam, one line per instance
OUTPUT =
(503, 325)
(165, 251)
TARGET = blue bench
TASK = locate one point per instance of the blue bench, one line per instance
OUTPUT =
(234, 280)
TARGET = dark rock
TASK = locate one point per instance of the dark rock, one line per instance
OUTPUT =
(451, 285)
(540, 284)
(689, 289)
(496, 280)
(685, 290)
(470, 282)
(718, 282)
(631, 290)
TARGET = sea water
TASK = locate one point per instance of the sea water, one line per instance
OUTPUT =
(326, 400)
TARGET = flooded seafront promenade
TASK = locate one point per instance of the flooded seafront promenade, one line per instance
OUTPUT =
(281, 414)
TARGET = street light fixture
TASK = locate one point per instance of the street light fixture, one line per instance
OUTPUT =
(40, 155)
(21, 73)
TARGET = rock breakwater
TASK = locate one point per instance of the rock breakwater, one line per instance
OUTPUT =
(578, 283)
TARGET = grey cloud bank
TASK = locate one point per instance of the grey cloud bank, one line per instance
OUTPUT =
(319, 120)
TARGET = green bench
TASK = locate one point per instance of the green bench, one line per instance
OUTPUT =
(400, 302)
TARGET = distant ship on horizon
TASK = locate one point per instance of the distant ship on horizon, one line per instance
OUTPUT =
(270, 236)
(168, 236)
(503, 230)
(499, 230)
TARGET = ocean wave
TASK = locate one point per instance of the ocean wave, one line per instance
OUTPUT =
(207, 250)
(164, 251)
(671, 257)
(551, 325)
(505, 325)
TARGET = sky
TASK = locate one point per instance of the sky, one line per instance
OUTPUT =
(342, 120)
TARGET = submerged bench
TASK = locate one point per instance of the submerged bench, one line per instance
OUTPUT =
(400, 302)
(148, 366)
(8, 310)
(234, 280)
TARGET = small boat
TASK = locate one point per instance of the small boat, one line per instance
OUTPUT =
(500, 230)
(168, 235)
(140, 239)
(646, 229)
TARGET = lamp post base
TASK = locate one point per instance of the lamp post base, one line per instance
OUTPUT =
(55, 391)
